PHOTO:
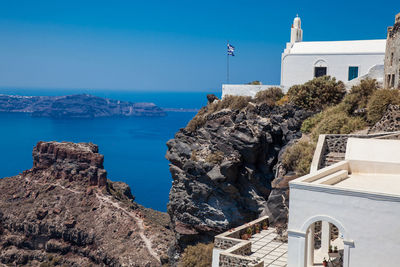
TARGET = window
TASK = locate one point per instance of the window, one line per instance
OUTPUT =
(353, 73)
(392, 81)
(319, 71)
(391, 59)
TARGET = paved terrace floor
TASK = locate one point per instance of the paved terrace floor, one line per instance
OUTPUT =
(274, 253)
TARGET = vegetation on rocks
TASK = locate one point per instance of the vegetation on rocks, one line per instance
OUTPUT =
(230, 102)
(215, 157)
(347, 116)
(269, 96)
(379, 102)
(317, 93)
(359, 95)
(199, 255)
(298, 157)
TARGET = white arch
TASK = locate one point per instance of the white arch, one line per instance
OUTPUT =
(326, 218)
(320, 63)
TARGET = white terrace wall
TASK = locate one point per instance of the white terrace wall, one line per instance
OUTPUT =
(245, 89)
(370, 224)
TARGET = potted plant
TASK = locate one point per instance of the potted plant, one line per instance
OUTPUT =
(264, 225)
(249, 231)
(324, 262)
(330, 249)
(257, 227)
(335, 250)
(244, 237)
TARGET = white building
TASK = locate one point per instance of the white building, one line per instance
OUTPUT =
(345, 60)
(302, 61)
(347, 214)
(359, 197)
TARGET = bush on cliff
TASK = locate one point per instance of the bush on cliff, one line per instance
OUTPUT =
(379, 102)
(298, 157)
(199, 255)
(333, 120)
(359, 95)
(317, 93)
(269, 96)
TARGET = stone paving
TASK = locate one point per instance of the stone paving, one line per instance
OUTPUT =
(274, 253)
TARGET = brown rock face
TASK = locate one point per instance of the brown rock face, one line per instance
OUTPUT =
(64, 211)
(77, 162)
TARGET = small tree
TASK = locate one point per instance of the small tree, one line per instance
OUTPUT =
(317, 94)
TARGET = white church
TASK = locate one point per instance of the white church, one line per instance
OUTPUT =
(302, 61)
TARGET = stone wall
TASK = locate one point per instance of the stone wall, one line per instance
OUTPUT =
(392, 56)
(235, 250)
(334, 147)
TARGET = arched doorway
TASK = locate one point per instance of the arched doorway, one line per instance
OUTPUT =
(324, 242)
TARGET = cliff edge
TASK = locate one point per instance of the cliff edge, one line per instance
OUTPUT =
(222, 167)
(64, 211)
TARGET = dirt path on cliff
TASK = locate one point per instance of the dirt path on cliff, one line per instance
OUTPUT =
(138, 221)
(133, 215)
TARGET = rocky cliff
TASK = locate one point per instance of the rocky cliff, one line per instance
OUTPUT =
(222, 170)
(76, 106)
(64, 211)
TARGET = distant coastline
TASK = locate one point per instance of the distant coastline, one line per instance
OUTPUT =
(77, 106)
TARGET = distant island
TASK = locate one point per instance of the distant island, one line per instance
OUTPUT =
(76, 106)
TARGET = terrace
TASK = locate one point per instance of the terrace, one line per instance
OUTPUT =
(236, 248)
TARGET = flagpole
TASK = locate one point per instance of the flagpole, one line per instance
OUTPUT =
(227, 64)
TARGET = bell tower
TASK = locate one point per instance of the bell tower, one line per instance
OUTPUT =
(296, 33)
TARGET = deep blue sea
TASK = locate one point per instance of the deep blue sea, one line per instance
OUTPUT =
(133, 148)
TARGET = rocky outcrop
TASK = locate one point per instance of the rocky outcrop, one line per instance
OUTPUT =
(64, 211)
(76, 106)
(222, 172)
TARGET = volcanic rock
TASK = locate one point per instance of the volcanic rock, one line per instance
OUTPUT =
(64, 211)
(222, 171)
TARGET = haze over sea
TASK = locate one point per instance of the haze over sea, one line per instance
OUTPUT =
(133, 148)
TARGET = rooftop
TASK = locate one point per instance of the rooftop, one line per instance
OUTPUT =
(340, 47)
(370, 165)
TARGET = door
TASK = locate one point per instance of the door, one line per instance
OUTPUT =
(319, 71)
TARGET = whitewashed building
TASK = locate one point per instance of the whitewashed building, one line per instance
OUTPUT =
(359, 197)
(344, 60)
(347, 214)
(302, 61)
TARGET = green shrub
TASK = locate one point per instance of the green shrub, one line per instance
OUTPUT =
(298, 157)
(379, 102)
(269, 96)
(317, 94)
(199, 255)
(215, 157)
(228, 102)
(195, 123)
(359, 95)
(335, 120)
(310, 123)
(255, 83)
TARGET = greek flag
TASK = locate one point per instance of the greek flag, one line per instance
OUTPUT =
(231, 49)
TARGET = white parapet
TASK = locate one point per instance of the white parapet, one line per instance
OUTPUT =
(245, 89)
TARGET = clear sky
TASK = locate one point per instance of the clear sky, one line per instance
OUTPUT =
(167, 44)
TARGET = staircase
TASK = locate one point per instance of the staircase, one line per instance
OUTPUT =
(332, 158)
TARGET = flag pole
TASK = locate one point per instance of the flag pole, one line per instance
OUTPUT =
(227, 64)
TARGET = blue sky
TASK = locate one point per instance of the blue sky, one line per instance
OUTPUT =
(167, 45)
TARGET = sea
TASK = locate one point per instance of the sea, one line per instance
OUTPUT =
(133, 147)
